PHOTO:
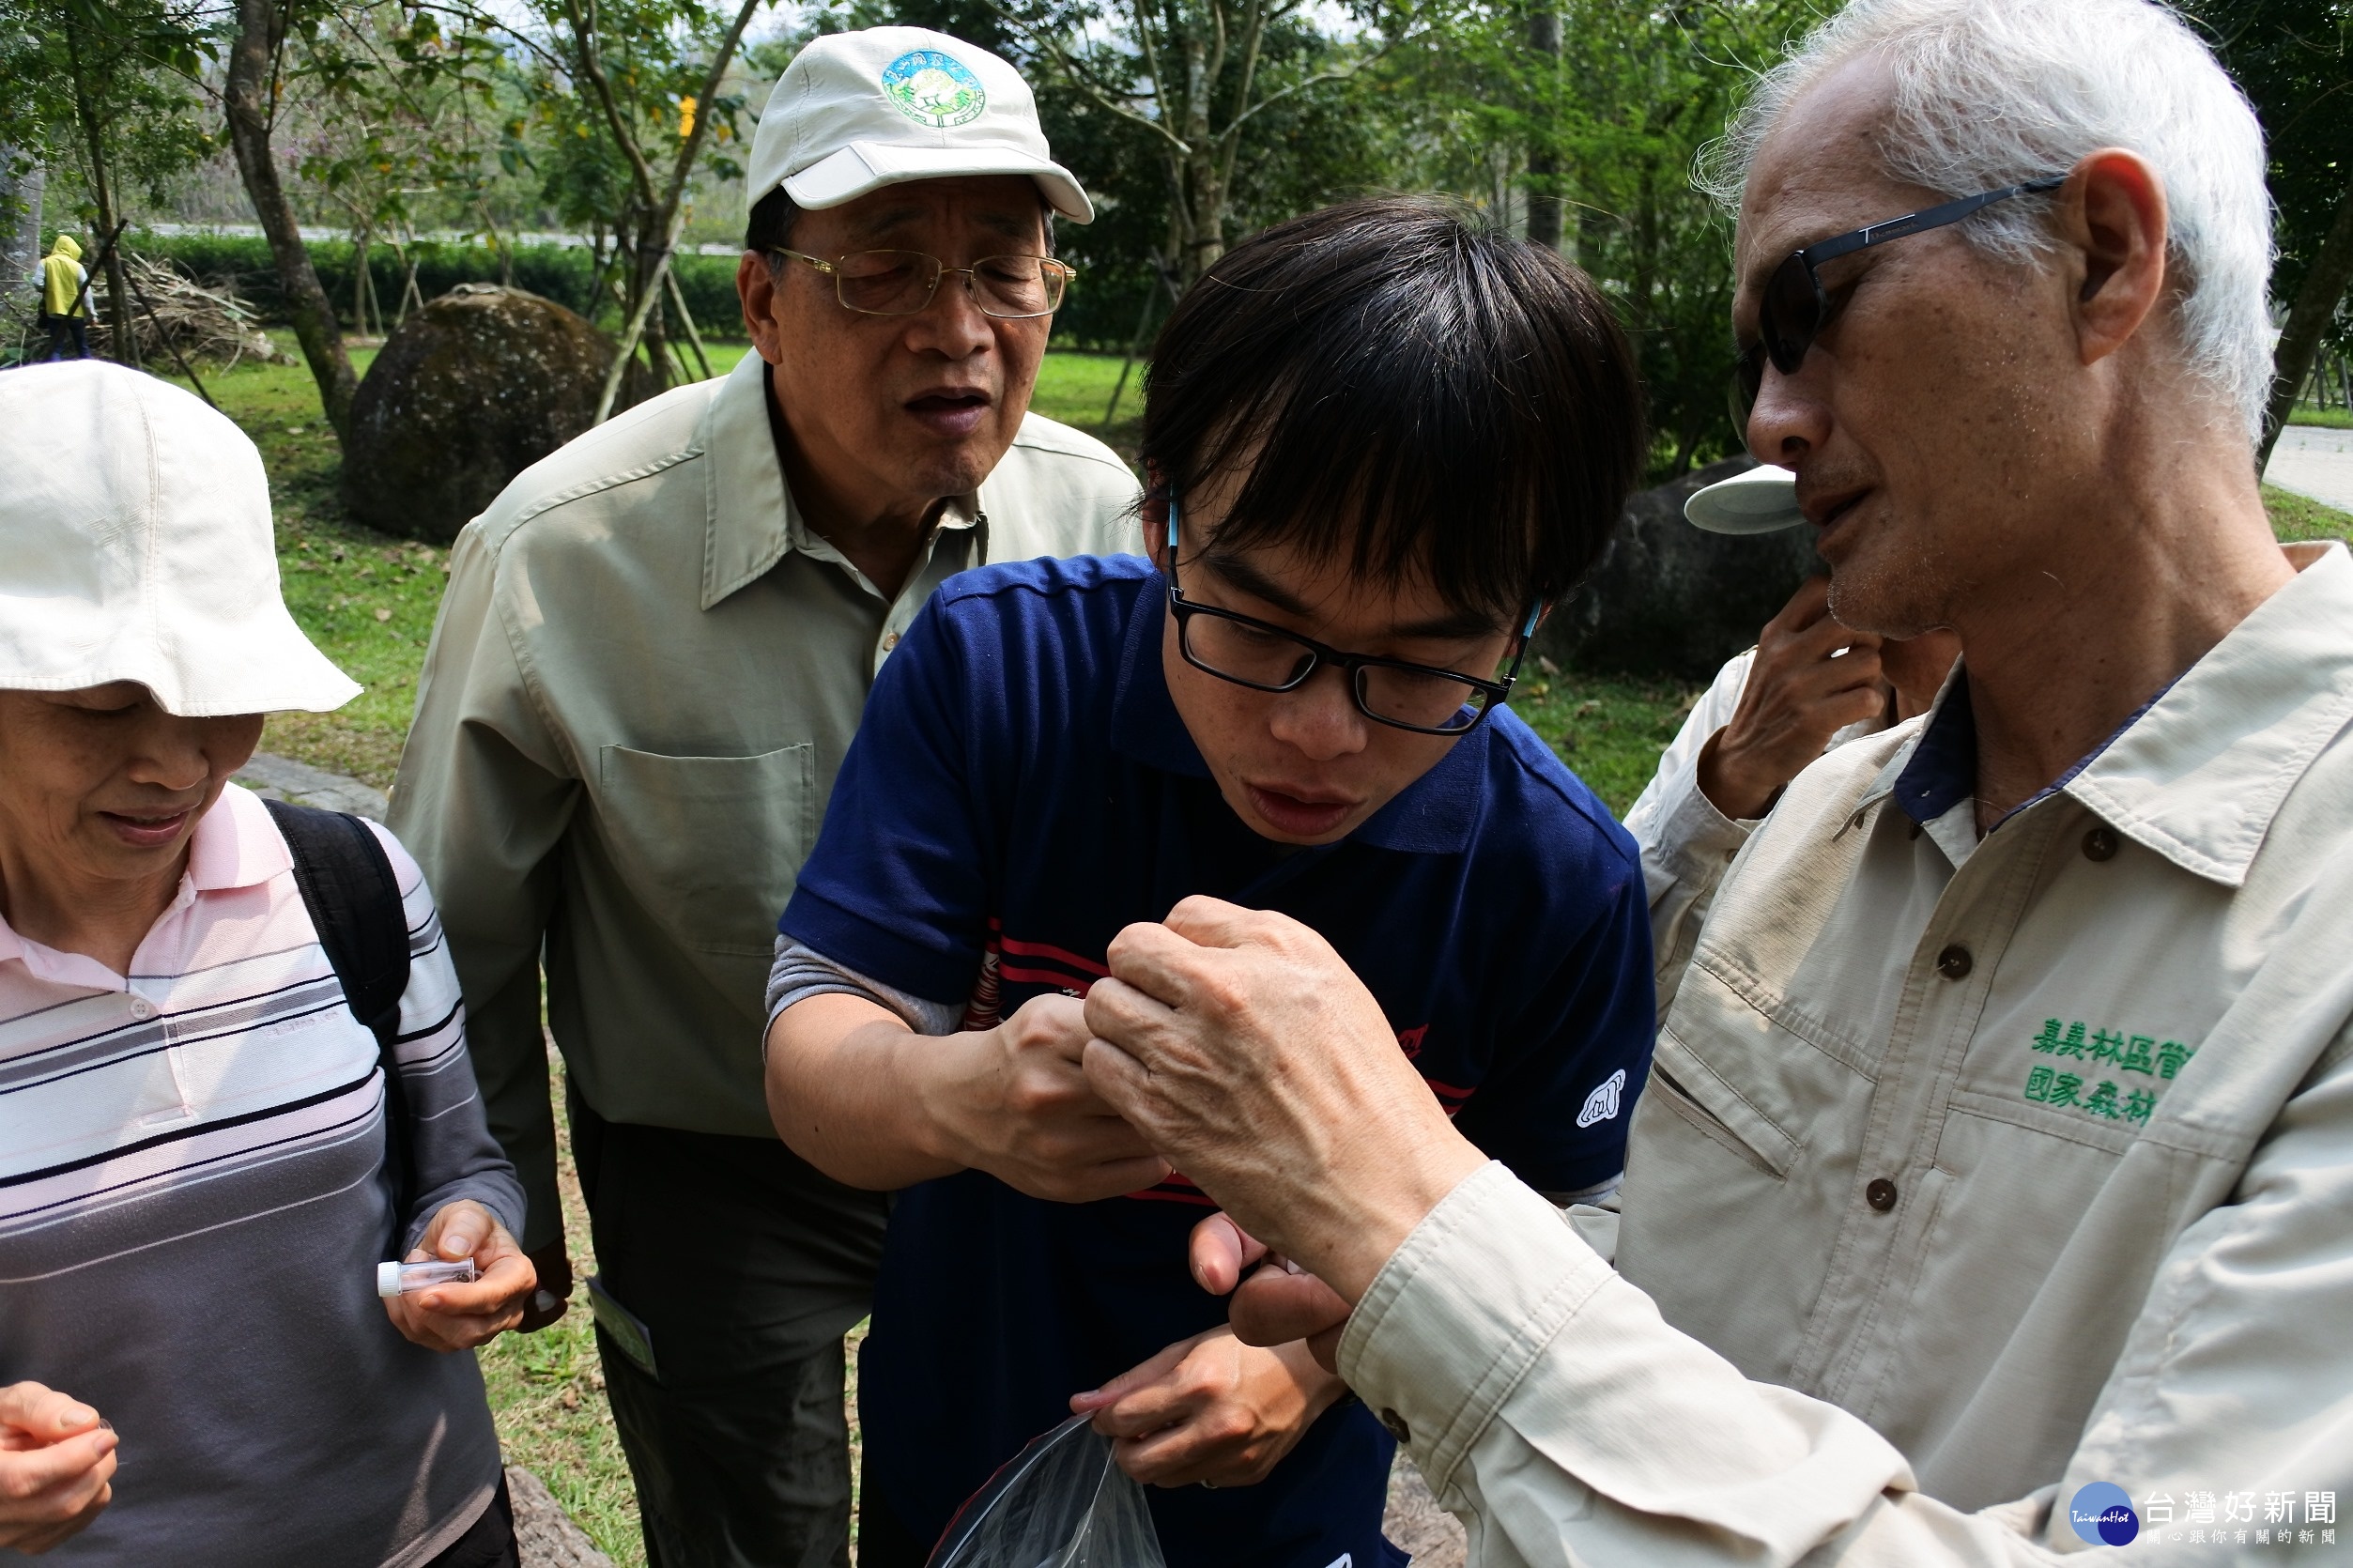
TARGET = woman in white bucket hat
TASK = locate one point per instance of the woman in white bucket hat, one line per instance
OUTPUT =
(233, 1080)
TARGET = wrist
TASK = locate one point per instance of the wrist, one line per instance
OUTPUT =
(1740, 791)
(1382, 1212)
(942, 1080)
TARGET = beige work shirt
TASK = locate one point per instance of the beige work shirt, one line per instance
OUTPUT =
(644, 677)
(1686, 842)
(1970, 1172)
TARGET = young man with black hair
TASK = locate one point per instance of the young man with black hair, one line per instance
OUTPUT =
(1381, 442)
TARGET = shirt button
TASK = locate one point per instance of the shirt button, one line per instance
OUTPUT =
(1881, 1194)
(1954, 963)
(142, 1007)
(1396, 1425)
(890, 642)
(2100, 844)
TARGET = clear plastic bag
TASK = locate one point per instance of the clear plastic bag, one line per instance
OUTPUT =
(1060, 1503)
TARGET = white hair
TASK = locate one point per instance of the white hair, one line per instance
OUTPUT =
(1990, 92)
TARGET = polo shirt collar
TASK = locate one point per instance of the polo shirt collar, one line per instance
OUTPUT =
(1436, 814)
(236, 844)
(2199, 772)
(751, 522)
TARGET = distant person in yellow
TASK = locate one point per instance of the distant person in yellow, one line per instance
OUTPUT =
(64, 309)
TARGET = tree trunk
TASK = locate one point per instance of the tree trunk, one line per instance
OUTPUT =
(120, 339)
(250, 100)
(1543, 159)
(20, 223)
(2316, 301)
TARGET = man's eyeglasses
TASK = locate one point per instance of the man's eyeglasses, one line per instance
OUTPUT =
(901, 283)
(1795, 307)
(1265, 658)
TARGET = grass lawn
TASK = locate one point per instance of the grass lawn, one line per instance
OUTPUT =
(2335, 419)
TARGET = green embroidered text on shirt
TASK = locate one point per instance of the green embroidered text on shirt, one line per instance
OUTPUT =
(2130, 1053)
(2140, 1053)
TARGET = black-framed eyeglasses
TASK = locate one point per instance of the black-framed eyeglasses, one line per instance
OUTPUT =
(1795, 307)
(901, 283)
(1251, 653)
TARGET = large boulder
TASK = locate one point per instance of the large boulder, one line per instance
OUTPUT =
(1668, 599)
(471, 390)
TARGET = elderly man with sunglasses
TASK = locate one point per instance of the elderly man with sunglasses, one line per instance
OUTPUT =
(653, 654)
(1991, 1198)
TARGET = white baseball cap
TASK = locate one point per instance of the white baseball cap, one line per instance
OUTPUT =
(1763, 499)
(856, 112)
(139, 547)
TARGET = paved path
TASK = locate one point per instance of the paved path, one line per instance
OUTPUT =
(284, 779)
(2315, 462)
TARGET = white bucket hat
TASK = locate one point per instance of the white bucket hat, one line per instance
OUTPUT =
(135, 544)
(1763, 499)
(856, 112)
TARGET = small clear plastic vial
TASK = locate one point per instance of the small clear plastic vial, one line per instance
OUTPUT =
(406, 1279)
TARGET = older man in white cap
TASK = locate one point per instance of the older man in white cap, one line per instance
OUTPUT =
(654, 654)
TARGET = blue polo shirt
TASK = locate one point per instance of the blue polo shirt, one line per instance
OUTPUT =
(1022, 787)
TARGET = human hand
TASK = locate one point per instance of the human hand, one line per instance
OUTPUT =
(1210, 1409)
(1019, 1107)
(461, 1317)
(1801, 690)
(56, 1467)
(1246, 1052)
(1274, 1305)
(552, 1264)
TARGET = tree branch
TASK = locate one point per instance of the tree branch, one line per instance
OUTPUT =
(584, 33)
(692, 147)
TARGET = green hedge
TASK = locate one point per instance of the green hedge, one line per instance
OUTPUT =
(560, 273)
(1100, 313)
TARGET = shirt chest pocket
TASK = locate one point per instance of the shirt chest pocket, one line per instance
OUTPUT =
(710, 846)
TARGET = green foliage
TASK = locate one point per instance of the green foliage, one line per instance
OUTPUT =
(563, 273)
(105, 91)
(1620, 115)
(2294, 60)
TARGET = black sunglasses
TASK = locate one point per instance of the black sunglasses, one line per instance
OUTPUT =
(1263, 656)
(1795, 307)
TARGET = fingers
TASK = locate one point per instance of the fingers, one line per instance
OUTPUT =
(457, 1231)
(508, 1282)
(1822, 636)
(1110, 1179)
(52, 1485)
(1220, 1250)
(1053, 1024)
(1276, 1305)
(1808, 605)
(1145, 1397)
(1208, 922)
(43, 1414)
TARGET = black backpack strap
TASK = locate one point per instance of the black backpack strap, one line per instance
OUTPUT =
(349, 886)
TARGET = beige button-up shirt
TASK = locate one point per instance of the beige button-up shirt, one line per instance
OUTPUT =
(644, 677)
(1686, 842)
(1971, 1172)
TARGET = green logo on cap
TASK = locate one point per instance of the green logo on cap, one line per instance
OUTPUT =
(934, 89)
